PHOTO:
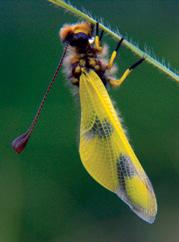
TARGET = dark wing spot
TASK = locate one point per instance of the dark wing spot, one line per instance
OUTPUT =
(102, 129)
(124, 167)
(125, 170)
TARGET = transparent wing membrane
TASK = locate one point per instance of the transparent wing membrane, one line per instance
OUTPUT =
(106, 153)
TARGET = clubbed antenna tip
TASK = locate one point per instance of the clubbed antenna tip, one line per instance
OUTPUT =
(19, 143)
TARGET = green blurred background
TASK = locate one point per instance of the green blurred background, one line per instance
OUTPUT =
(45, 193)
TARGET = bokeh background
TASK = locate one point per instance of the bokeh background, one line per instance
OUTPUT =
(45, 193)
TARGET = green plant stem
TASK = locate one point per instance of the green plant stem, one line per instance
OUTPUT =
(117, 36)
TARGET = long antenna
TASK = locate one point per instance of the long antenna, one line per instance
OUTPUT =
(19, 143)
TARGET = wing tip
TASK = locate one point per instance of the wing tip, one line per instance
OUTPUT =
(148, 215)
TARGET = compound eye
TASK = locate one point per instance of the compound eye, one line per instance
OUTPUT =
(79, 39)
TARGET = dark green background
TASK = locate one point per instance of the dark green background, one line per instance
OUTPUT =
(45, 193)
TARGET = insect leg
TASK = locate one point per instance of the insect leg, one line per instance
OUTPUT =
(101, 35)
(114, 54)
(98, 37)
(116, 83)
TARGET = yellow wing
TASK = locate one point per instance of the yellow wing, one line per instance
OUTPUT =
(106, 153)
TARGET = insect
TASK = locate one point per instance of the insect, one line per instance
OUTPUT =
(104, 148)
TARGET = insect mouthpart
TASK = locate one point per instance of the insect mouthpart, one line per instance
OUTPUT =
(78, 39)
